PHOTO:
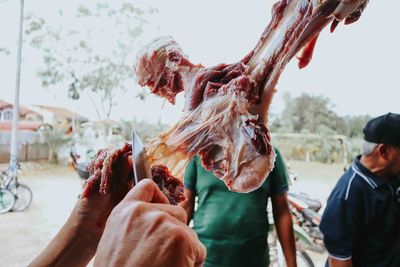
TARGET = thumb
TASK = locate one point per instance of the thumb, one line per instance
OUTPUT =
(147, 191)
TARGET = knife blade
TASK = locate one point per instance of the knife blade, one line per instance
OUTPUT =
(141, 168)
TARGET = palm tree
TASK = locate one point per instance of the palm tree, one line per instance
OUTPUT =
(55, 137)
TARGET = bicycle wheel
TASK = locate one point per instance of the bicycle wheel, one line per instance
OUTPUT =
(23, 197)
(303, 259)
(277, 258)
(7, 200)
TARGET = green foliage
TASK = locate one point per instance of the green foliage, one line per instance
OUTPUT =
(316, 132)
(355, 124)
(55, 137)
(75, 54)
(145, 130)
(311, 147)
(309, 114)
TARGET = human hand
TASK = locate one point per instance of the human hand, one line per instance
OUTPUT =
(110, 180)
(76, 242)
(144, 230)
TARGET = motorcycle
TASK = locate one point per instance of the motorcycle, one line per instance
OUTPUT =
(303, 242)
(306, 218)
(79, 166)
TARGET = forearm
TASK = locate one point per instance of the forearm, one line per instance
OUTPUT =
(72, 246)
(189, 211)
(188, 205)
(285, 233)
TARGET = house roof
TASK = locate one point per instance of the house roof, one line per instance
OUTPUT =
(22, 109)
(22, 125)
(4, 104)
(63, 113)
(59, 112)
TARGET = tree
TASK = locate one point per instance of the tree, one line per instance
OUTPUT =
(309, 114)
(144, 129)
(355, 124)
(55, 137)
(75, 55)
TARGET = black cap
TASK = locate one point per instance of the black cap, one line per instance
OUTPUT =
(383, 130)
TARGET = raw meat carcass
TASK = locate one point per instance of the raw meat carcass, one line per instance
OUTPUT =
(111, 172)
(226, 106)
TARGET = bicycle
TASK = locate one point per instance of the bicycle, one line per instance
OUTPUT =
(276, 256)
(7, 200)
(14, 196)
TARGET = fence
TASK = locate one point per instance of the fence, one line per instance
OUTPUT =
(22, 136)
(314, 147)
(26, 152)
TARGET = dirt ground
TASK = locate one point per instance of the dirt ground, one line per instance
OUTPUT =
(24, 234)
(55, 191)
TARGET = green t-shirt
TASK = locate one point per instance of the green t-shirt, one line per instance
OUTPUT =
(233, 226)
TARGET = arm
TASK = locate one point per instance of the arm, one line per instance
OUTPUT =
(284, 228)
(76, 242)
(190, 188)
(340, 225)
(72, 246)
(340, 263)
(188, 205)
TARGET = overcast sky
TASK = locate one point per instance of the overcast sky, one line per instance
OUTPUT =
(356, 67)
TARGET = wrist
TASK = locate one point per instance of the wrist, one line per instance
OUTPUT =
(84, 225)
(83, 236)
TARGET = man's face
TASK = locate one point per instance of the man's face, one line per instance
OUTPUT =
(394, 160)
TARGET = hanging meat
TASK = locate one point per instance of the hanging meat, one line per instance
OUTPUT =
(226, 106)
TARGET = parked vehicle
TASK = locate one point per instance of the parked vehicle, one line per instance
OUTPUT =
(276, 255)
(305, 214)
(79, 167)
(14, 196)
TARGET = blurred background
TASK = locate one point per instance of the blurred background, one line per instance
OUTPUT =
(78, 93)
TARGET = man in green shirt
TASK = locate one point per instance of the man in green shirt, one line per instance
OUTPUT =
(234, 226)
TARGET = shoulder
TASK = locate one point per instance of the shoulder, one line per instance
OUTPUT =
(195, 162)
(350, 186)
(279, 162)
(277, 152)
(196, 159)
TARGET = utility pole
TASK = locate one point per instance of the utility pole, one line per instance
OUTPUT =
(14, 131)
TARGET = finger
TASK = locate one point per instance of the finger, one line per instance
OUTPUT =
(92, 184)
(345, 9)
(200, 251)
(147, 191)
(175, 211)
(201, 254)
